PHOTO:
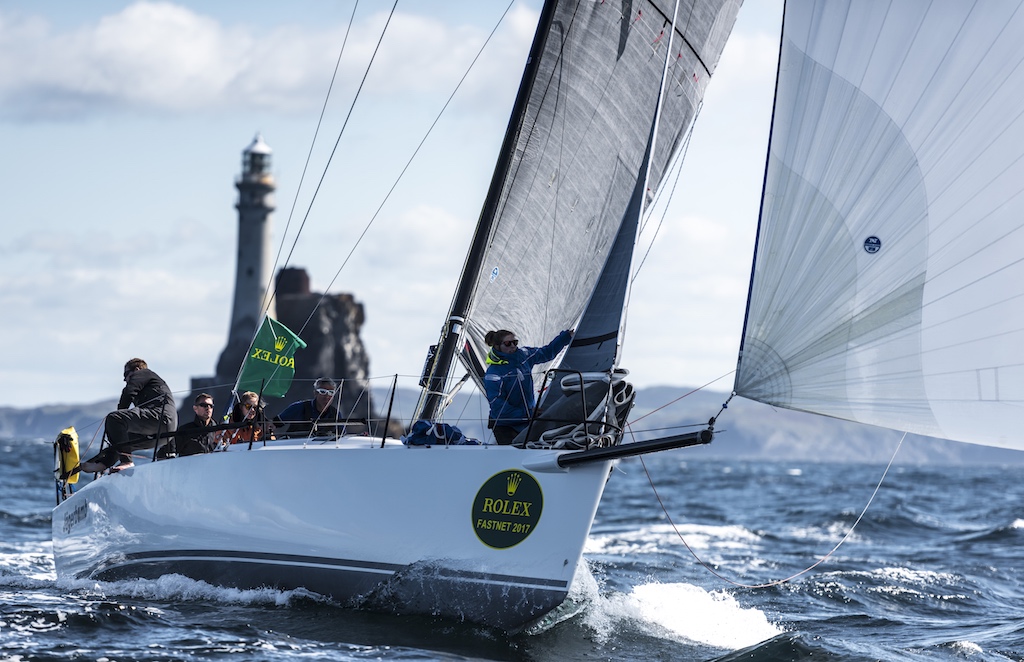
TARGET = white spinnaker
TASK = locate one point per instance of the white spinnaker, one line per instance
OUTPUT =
(900, 122)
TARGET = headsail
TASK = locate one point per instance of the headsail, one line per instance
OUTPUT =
(574, 155)
(888, 285)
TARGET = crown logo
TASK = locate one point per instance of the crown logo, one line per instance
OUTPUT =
(280, 342)
(513, 484)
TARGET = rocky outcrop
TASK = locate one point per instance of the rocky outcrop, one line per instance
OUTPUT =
(330, 326)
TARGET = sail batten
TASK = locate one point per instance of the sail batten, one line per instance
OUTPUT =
(889, 277)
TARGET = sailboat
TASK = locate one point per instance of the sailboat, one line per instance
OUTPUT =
(885, 289)
(486, 533)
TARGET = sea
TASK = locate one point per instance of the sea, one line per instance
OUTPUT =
(689, 559)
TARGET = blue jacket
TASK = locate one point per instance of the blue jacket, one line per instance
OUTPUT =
(508, 382)
(302, 415)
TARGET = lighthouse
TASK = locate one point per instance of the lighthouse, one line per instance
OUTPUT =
(334, 348)
(252, 275)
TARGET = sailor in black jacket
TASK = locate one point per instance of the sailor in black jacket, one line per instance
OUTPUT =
(135, 428)
(194, 437)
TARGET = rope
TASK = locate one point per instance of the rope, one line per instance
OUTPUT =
(776, 582)
(685, 395)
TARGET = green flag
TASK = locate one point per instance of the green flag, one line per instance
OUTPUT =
(271, 362)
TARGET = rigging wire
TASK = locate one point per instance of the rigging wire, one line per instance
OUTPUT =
(337, 141)
(334, 151)
(668, 203)
(660, 105)
(776, 582)
(305, 166)
(415, 152)
(684, 395)
(268, 300)
(651, 145)
(398, 179)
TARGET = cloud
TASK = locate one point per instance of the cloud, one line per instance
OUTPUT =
(150, 55)
(123, 206)
(166, 58)
(91, 299)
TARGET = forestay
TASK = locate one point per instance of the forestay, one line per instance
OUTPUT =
(888, 285)
(578, 153)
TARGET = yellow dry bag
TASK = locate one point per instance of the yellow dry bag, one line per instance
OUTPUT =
(67, 455)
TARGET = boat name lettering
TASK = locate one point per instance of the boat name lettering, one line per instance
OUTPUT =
(80, 512)
(507, 509)
(270, 357)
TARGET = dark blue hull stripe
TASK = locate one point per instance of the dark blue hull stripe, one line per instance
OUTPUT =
(505, 601)
(165, 557)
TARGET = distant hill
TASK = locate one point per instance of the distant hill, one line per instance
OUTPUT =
(46, 421)
(752, 430)
(746, 430)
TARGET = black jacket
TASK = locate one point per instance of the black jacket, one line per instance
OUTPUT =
(192, 439)
(146, 390)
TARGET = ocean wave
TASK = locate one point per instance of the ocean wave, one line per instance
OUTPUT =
(658, 537)
(178, 587)
(30, 561)
(676, 610)
(683, 611)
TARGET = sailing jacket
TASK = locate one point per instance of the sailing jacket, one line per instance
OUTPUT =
(303, 414)
(146, 390)
(508, 382)
(193, 438)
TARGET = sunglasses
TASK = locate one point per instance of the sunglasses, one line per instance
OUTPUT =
(510, 343)
(325, 391)
(205, 404)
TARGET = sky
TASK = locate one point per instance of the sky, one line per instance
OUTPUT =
(122, 126)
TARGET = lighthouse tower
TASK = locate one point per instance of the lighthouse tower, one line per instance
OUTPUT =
(255, 204)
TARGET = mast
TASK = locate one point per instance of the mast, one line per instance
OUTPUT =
(433, 392)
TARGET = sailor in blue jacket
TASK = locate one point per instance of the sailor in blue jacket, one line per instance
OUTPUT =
(508, 382)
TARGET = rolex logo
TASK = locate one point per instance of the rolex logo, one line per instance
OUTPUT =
(280, 342)
(507, 509)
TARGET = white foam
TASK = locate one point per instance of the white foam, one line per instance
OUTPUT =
(584, 587)
(1017, 524)
(831, 534)
(177, 587)
(968, 648)
(32, 560)
(658, 537)
(922, 577)
(680, 611)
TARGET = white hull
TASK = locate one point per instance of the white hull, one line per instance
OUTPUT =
(488, 534)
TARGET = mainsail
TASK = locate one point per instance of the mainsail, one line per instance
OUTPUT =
(575, 150)
(888, 283)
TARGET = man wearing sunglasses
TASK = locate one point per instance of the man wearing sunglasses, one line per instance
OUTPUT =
(302, 415)
(193, 438)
